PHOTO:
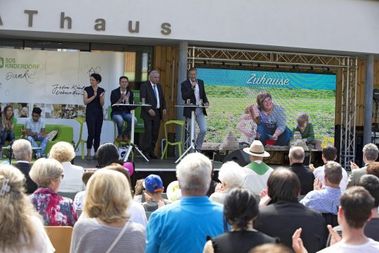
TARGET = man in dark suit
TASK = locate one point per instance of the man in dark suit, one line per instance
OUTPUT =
(284, 214)
(193, 92)
(306, 177)
(151, 93)
(120, 114)
(22, 151)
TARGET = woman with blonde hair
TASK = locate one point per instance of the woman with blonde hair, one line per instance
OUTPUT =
(64, 153)
(105, 216)
(21, 228)
(55, 209)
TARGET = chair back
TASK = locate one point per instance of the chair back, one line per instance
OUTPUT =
(174, 123)
(60, 237)
(80, 120)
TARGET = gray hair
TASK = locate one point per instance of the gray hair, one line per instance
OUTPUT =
(194, 173)
(296, 153)
(62, 152)
(153, 72)
(45, 170)
(370, 151)
(231, 175)
(22, 150)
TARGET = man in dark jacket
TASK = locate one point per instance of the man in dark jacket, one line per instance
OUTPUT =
(306, 177)
(151, 93)
(193, 92)
(22, 151)
(284, 214)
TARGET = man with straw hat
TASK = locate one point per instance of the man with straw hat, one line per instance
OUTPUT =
(257, 172)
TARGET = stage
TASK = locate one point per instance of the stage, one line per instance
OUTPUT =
(164, 168)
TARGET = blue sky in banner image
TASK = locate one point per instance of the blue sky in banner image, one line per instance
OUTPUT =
(267, 79)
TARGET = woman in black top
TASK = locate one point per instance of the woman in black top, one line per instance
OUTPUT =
(93, 98)
(240, 209)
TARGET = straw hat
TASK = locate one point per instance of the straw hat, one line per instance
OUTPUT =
(256, 149)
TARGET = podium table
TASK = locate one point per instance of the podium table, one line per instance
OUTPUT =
(131, 144)
(192, 147)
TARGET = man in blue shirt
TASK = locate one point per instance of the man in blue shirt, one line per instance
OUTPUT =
(327, 199)
(184, 225)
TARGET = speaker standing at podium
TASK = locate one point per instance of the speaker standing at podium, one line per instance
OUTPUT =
(151, 93)
(193, 91)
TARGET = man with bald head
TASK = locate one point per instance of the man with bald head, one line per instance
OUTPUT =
(151, 93)
(306, 177)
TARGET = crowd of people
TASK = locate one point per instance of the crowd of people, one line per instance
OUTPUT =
(251, 209)
(255, 208)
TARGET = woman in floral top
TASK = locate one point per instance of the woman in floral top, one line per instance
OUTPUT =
(54, 209)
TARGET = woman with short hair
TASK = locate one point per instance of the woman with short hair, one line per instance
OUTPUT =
(105, 216)
(54, 209)
(64, 153)
(231, 176)
(21, 228)
(240, 210)
(271, 121)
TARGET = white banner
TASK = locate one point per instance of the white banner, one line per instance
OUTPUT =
(48, 77)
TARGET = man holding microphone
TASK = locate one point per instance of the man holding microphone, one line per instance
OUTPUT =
(193, 92)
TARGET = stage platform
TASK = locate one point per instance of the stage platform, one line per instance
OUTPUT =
(164, 168)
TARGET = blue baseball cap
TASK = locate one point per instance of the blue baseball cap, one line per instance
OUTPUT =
(153, 183)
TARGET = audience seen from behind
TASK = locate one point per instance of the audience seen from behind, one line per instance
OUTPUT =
(371, 184)
(271, 248)
(296, 156)
(257, 172)
(135, 210)
(105, 225)
(370, 154)
(64, 153)
(107, 154)
(326, 199)
(373, 169)
(153, 185)
(21, 228)
(353, 214)
(284, 214)
(22, 152)
(54, 209)
(184, 225)
(79, 197)
(231, 175)
(35, 131)
(329, 154)
(240, 210)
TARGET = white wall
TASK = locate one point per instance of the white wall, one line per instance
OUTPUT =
(336, 25)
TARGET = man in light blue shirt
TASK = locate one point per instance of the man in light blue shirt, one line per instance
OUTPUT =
(35, 131)
(327, 199)
(183, 226)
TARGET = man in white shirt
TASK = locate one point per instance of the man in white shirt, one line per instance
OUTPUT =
(151, 93)
(353, 214)
(329, 154)
(256, 172)
(35, 131)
